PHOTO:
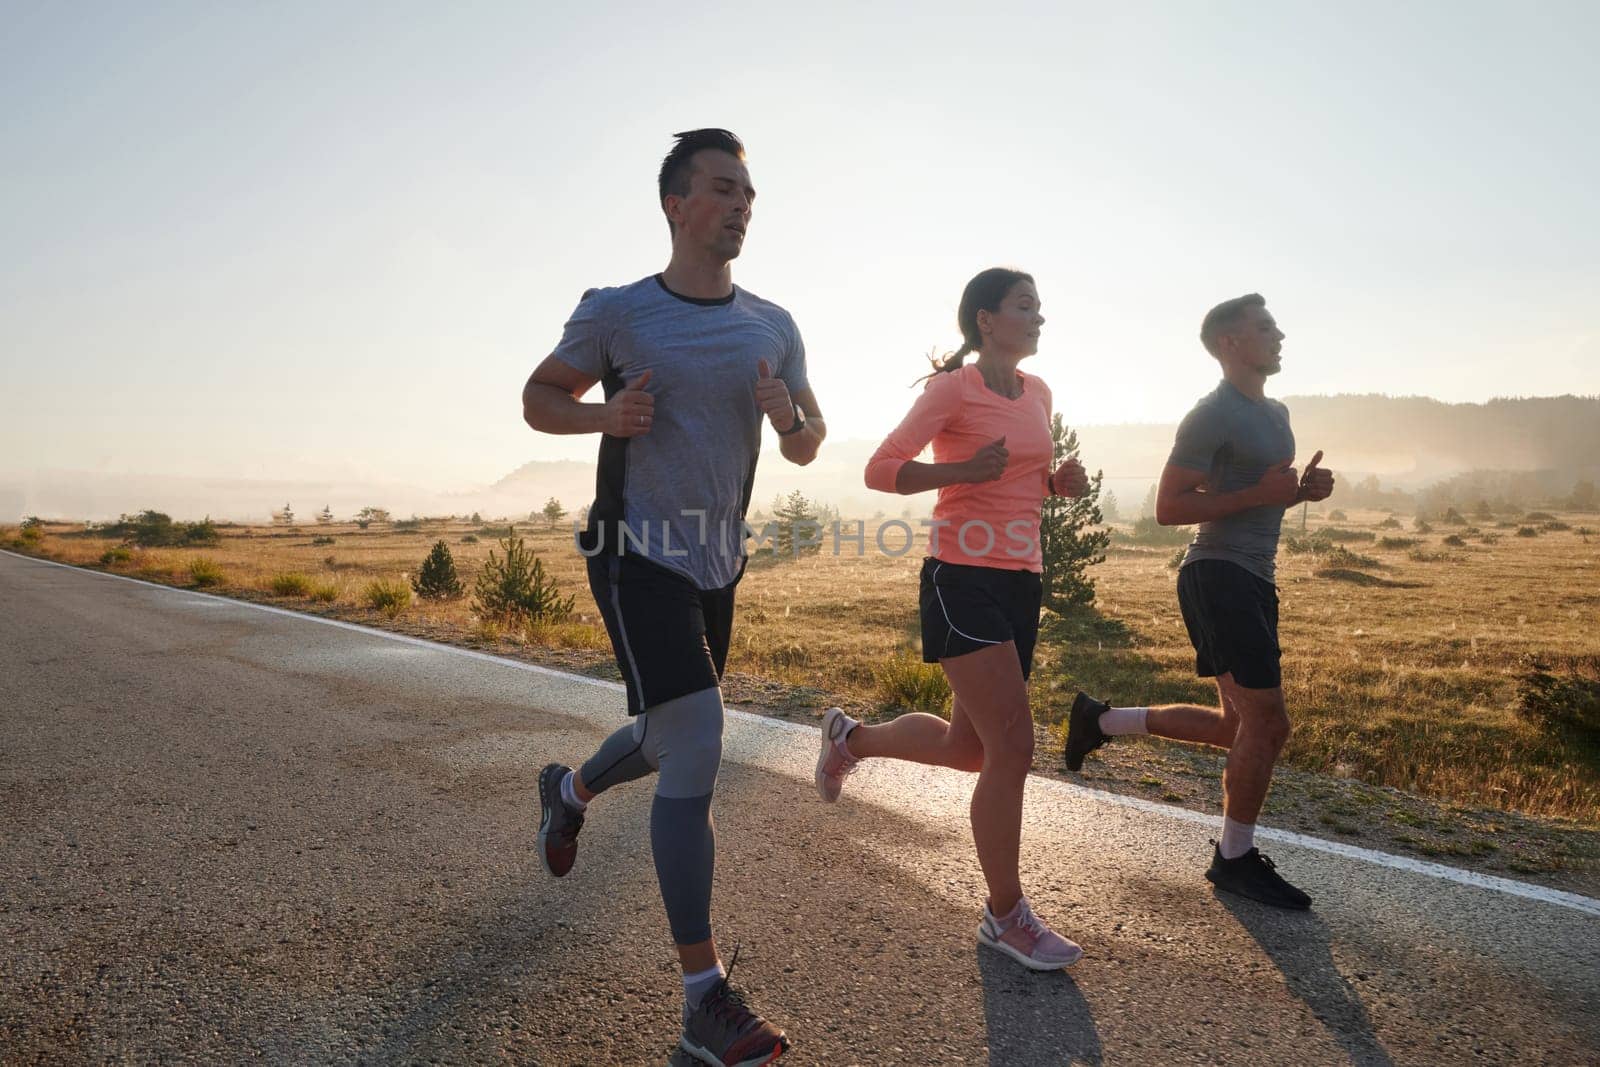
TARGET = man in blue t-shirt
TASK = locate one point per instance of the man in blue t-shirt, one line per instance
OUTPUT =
(690, 364)
(1231, 471)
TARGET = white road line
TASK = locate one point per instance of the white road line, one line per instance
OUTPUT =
(1493, 883)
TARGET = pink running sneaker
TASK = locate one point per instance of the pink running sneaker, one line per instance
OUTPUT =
(1026, 939)
(834, 762)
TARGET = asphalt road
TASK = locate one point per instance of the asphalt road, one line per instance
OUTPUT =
(229, 834)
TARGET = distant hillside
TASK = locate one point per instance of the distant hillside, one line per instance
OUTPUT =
(1407, 442)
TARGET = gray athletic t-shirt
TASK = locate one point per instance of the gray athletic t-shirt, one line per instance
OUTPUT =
(1235, 440)
(682, 489)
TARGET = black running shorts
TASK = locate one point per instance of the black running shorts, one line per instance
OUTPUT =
(966, 608)
(1232, 617)
(670, 638)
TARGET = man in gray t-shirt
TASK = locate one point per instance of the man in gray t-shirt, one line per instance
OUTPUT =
(1234, 441)
(690, 365)
(680, 492)
(1232, 472)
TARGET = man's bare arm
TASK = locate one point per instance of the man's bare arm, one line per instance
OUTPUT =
(551, 403)
(1182, 498)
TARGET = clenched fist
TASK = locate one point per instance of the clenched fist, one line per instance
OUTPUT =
(630, 412)
(988, 463)
(772, 397)
(1280, 486)
(1316, 483)
(1070, 479)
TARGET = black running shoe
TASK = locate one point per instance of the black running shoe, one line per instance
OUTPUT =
(1083, 730)
(1255, 876)
(724, 1032)
(558, 823)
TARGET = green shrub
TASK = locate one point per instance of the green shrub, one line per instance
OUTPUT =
(1339, 533)
(389, 597)
(1299, 545)
(1491, 538)
(470, 539)
(113, 556)
(1538, 516)
(1398, 542)
(1391, 523)
(203, 532)
(1421, 525)
(1340, 556)
(291, 584)
(31, 535)
(437, 579)
(1147, 531)
(411, 525)
(1454, 541)
(324, 592)
(323, 539)
(516, 589)
(1337, 515)
(204, 572)
(1553, 525)
(1527, 531)
(904, 681)
(1562, 693)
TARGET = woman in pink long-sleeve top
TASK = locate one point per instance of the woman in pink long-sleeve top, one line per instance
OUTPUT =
(989, 424)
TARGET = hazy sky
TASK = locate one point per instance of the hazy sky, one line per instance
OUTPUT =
(283, 239)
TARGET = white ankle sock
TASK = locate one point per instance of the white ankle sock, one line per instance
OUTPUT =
(1118, 721)
(571, 797)
(1237, 838)
(696, 986)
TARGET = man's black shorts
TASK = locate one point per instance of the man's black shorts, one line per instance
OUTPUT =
(670, 638)
(1232, 617)
(965, 609)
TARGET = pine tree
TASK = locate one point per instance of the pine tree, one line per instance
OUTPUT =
(797, 525)
(516, 588)
(325, 516)
(1108, 507)
(1071, 539)
(437, 579)
(1147, 510)
(554, 512)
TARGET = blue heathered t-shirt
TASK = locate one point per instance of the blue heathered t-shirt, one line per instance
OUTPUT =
(1235, 440)
(682, 489)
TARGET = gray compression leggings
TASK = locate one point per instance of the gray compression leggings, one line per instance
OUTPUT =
(681, 742)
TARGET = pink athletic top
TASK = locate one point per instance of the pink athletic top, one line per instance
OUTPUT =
(960, 414)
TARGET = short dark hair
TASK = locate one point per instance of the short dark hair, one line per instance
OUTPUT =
(678, 167)
(1225, 316)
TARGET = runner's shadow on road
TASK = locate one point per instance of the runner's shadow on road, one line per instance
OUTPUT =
(1301, 946)
(1034, 1017)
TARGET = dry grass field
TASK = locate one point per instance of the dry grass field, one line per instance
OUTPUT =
(1407, 665)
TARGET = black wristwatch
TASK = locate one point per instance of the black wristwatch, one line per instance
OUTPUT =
(799, 422)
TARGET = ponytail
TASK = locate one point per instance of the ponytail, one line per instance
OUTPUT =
(951, 361)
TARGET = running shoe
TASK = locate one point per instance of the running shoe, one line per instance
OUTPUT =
(834, 762)
(1255, 876)
(724, 1032)
(1083, 730)
(1028, 940)
(558, 823)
